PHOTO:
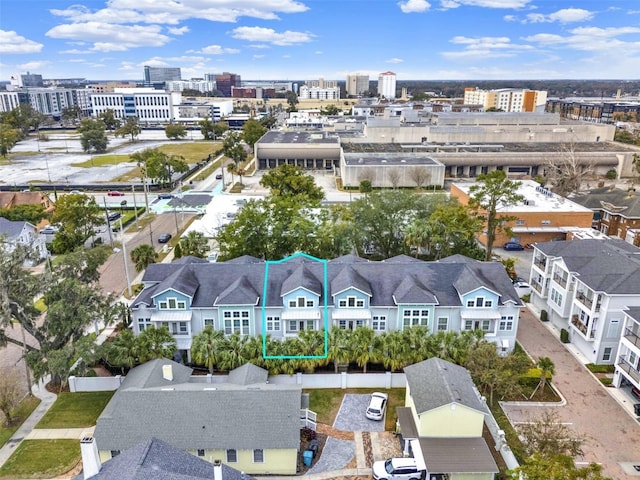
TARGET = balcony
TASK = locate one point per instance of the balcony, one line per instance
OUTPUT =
(630, 369)
(575, 321)
(560, 280)
(632, 336)
(586, 301)
(536, 286)
(541, 263)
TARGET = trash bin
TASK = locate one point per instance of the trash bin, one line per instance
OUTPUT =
(313, 446)
(307, 457)
(636, 409)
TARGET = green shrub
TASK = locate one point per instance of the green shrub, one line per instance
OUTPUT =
(611, 174)
(544, 316)
(526, 298)
(564, 336)
(600, 368)
(606, 381)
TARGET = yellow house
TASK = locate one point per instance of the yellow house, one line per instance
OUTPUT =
(248, 424)
(442, 420)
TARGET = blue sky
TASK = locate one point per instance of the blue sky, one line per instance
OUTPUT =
(307, 39)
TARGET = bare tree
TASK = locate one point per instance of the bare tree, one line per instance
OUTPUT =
(10, 394)
(366, 173)
(566, 172)
(393, 174)
(547, 435)
(420, 175)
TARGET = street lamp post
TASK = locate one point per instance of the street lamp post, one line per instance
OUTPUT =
(124, 258)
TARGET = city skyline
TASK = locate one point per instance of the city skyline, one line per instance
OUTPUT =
(308, 39)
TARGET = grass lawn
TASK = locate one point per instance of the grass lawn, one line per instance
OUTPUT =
(102, 160)
(42, 459)
(27, 406)
(75, 410)
(191, 151)
(326, 403)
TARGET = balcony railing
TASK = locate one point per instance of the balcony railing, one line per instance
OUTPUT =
(586, 301)
(624, 365)
(536, 286)
(560, 280)
(632, 336)
(540, 263)
(584, 329)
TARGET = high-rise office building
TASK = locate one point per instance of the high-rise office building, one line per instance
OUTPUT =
(387, 85)
(226, 80)
(158, 75)
(357, 84)
(321, 83)
(28, 80)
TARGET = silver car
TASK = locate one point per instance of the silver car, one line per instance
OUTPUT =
(377, 406)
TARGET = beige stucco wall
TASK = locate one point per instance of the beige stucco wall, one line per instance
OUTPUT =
(452, 420)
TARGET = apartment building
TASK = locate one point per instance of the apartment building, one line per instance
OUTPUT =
(627, 370)
(387, 85)
(199, 85)
(9, 101)
(586, 286)
(321, 83)
(53, 100)
(319, 93)
(507, 99)
(357, 84)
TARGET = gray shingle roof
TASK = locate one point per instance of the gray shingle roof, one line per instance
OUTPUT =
(301, 277)
(10, 228)
(248, 374)
(411, 290)
(608, 265)
(349, 278)
(239, 292)
(193, 415)
(605, 198)
(154, 459)
(633, 312)
(444, 280)
(436, 382)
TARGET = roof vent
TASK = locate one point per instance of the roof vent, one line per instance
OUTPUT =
(167, 372)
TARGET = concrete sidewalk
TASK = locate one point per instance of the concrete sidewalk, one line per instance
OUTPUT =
(47, 399)
(612, 435)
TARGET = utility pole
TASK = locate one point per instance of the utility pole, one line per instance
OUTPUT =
(124, 258)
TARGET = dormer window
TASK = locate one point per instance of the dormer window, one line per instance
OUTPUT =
(301, 302)
(351, 302)
(172, 304)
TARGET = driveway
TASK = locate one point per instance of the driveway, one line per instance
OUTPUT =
(351, 415)
(613, 436)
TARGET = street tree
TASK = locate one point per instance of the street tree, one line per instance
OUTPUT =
(252, 131)
(130, 127)
(232, 168)
(206, 347)
(494, 192)
(548, 435)
(92, 135)
(291, 181)
(330, 110)
(143, 256)
(175, 131)
(566, 172)
(161, 166)
(78, 216)
(194, 244)
(547, 367)
(212, 130)
(155, 343)
(123, 351)
(393, 175)
(71, 114)
(339, 347)
(10, 394)
(292, 100)
(420, 175)
(23, 118)
(109, 119)
(232, 148)
(556, 467)
(8, 138)
(268, 122)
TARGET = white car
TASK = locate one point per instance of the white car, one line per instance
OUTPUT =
(522, 288)
(397, 469)
(377, 406)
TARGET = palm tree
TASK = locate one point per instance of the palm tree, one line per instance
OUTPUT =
(416, 343)
(233, 351)
(416, 235)
(339, 346)
(395, 351)
(546, 366)
(363, 347)
(205, 348)
(252, 351)
(195, 244)
(123, 350)
(143, 256)
(310, 343)
(156, 343)
(232, 168)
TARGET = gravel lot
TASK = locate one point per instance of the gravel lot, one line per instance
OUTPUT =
(336, 454)
(351, 415)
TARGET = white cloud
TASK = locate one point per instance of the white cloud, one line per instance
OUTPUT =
(173, 12)
(11, 42)
(34, 65)
(75, 51)
(257, 57)
(217, 50)
(395, 60)
(268, 35)
(319, 52)
(414, 6)
(510, 18)
(490, 47)
(259, 46)
(591, 39)
(110, 37)
(512, 4)
(179, 30)
(566, 15)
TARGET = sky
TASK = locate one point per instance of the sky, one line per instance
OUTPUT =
(310, 39)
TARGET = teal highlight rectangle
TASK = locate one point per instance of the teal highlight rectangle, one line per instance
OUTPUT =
(325, 289)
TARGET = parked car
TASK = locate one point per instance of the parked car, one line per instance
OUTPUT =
(377, 406)
(49, 230)
(165, 196)
(219, 176)
(397, 469)
(75, 192)
(513, 246)
(522, 288)
(113, 216)
(115, 193)
(164, 237)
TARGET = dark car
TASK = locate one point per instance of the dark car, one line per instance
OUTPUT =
(219, 176)
(513, 246)
(115, 193)
(164, 238)
(165, 196)
(113, 216)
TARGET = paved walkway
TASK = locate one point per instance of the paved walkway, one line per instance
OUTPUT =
(613, 434)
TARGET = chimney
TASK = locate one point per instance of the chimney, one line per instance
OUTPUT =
(217, 470)
(167, 372)
(91, 464)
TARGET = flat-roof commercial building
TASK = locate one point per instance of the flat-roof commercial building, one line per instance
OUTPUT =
(313, 150)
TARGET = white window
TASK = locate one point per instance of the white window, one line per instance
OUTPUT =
(471, 303)
(172, 303)
(468, 324)
(520, 222)
(443, 324)
(162, 305)
(273, 324)
(379, 323)
(293, 325)
(258, 455)
(556, 297)
(309, 303)
(415, 317)
(201, 452)
(545, 222)
(606, 354)
(232, 455)
(292, 304)
(236, 321)
(143, 324)
(351, 302)
(486, 325)
(488, 303)
(208, 322)
(506, 323)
